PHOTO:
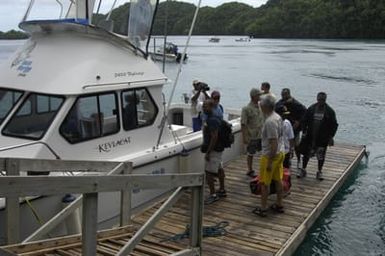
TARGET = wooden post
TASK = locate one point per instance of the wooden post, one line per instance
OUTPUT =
(12, 205)
(89, 224)
(125, 200)
(196, 217)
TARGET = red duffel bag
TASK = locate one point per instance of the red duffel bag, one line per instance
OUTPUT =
(255, 186)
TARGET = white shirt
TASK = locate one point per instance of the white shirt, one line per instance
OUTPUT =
(272, 129)
(197, 107)
(288, 134)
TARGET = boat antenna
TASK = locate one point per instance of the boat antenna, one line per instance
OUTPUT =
(61, 8)
(165, 37)
(165, 117)
(25, 17)
(100, 3)
(112, 8)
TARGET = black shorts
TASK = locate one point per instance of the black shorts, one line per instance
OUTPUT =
(254, 146)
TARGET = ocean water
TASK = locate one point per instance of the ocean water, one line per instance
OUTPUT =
(352, 73)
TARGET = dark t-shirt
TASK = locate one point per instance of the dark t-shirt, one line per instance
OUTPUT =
(211, 124)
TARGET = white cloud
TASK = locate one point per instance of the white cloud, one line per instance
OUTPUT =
(11, 11)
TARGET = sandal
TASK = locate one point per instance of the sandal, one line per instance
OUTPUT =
(251, 174)
(277, 209)
(211, 199)
(260, 212)
(221, 193)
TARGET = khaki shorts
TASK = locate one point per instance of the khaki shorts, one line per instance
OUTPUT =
(215, 162)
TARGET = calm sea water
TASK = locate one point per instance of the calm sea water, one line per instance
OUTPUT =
(353, 75)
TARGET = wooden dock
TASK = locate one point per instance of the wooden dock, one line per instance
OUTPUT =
(247, 234)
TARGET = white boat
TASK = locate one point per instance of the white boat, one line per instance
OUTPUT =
(214, 40)
(242, 39)
(169, 53)
(79, 92)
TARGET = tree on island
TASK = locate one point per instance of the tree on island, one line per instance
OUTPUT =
(13, 34)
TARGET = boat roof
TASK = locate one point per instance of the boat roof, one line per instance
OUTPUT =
(68, 58)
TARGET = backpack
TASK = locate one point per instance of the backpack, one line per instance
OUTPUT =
(255, 186)
(225, 134)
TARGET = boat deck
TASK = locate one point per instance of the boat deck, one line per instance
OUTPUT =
(247, 234)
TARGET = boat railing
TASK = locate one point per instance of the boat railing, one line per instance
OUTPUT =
(119, 178)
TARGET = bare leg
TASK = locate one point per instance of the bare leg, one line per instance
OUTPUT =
(320, 165)
(298, 158)
(250, 163)
(305, 161)
(264, 195)
(210, 182)
(221, 177)
(278, 187)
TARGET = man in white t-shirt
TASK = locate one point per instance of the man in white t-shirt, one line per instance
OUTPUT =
(199, 95)
(270, 165)
(288, 136)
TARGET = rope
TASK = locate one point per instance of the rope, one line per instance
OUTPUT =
(208, 231)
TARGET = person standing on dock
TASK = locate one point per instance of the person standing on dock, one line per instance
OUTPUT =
(271, 162)
(319, 127)
(251, 125)
(265, 88)
(199, 95)
(213, 150)
(288, 136)
(297, 111)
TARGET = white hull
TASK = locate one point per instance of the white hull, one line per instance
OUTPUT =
(109, 203)
(159, 57)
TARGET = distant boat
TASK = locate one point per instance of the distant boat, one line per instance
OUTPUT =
(170, 52)
(214, 40)
(247, 39)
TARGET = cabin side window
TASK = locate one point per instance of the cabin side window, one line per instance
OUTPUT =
(91, 117)
(29, 122)
(138, 109)
(8, 99)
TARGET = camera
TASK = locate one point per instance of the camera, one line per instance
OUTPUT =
(204, 87)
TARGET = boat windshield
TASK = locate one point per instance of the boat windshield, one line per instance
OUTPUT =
(131, 18)
(79, 11)
(140, 20)
(33, 118)
(8, 99)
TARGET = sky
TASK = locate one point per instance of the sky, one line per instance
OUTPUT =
(12, 11)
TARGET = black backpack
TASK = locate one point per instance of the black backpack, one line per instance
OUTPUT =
(225, 134)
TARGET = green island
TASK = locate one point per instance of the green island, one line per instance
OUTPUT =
(338, 19)
(322, 19)
(13, 35)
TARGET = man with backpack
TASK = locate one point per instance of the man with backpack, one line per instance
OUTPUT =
(217, 110)
(213, 148)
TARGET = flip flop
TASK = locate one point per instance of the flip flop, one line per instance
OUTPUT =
(260, 212)
(277, 209)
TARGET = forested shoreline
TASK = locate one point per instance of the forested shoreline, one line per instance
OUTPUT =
(322, 19)
(13, 35)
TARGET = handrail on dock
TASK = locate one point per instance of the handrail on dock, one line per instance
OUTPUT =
(13, 186)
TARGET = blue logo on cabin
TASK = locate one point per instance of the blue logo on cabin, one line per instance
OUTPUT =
(22, 61)
(25, 67)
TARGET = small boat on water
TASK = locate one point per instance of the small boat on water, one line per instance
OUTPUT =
(170, 52)
(78, 91)
(214, 40)
(243, 39)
